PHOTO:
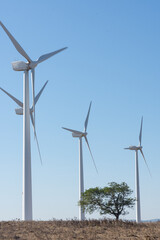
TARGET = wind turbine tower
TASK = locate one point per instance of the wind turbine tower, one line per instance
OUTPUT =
(137, 185)
(80, 135)
(26, 67)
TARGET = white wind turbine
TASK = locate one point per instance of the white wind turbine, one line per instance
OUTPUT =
(80, 135)
(27, 180)
(26, 66)
(29, 65)
(136, 149)
(19, 111)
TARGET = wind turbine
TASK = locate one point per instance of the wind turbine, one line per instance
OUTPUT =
(19, 111)
(80, 135)
(29, 65)
(136, 149)
(26, 66)
(27, 182)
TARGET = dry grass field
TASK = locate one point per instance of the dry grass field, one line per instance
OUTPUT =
(67, 230)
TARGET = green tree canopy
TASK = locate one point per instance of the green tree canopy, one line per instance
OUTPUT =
(112, 200)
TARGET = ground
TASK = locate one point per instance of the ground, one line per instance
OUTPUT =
(68, 230)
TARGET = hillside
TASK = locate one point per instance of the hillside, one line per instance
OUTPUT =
(57, 230)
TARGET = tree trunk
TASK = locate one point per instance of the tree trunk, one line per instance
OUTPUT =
(117, 217)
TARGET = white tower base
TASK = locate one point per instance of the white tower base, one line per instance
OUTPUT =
(81, 180)
(138, 208)
(27, 179)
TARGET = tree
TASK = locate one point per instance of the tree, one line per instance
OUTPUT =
(112, 200)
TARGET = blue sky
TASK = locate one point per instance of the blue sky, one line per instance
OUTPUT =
(112, 59)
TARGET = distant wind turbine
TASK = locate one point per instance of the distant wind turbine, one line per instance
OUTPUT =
(27, 183)
(19, 111)
(26, 66)
(136, 149)
(80, 135)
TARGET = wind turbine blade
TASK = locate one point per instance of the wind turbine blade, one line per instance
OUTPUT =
(33, 96)
(36, 137)
(40, 92)
(86, 121)
(91, 154)
(73, 131)
(13, 98)
(127, 148)
(48, 55)
(145, 161)
(38, 148)
(140, 133)
(16, 44)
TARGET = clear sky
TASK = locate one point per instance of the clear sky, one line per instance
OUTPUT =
(113, 59)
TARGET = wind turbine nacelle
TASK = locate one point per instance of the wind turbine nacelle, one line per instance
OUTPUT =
(135, 148)
(80, 134)
(77, 135)
(19, 66)
(19, 111)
